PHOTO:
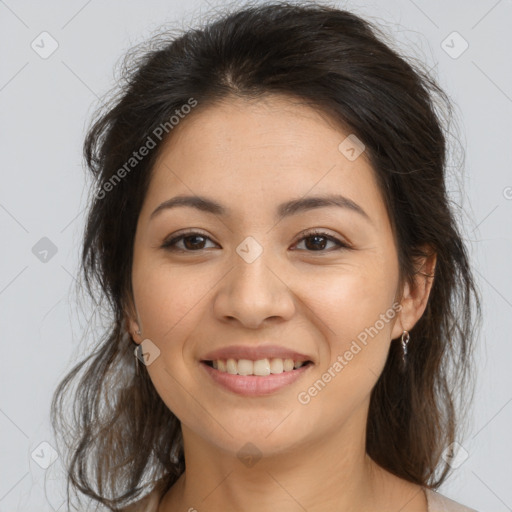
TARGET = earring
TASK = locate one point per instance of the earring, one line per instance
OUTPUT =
(405, 340)
(138, 353)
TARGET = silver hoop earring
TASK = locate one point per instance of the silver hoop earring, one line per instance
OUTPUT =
(137, 353)
(405, 340)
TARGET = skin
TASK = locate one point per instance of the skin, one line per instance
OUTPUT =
(251, 156)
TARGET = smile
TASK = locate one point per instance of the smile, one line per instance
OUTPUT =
(255, 378)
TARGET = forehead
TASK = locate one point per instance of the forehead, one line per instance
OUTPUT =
(258, 152)
(272, 128)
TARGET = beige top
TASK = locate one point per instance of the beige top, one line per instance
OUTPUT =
(436, 503)
(439, 503)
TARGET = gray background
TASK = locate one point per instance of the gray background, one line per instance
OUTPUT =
(45, 106)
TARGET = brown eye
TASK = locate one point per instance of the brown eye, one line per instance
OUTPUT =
(317, 241)
(192, 242)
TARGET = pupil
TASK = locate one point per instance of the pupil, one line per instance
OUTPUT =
(316, 237)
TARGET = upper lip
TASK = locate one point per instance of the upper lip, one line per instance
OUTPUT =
(254, 353)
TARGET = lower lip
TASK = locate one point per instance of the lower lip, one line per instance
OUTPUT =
(255, 385)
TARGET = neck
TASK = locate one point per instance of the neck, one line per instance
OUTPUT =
(312, 475)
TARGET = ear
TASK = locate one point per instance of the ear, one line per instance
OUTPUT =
(415, 296)
(131, 323)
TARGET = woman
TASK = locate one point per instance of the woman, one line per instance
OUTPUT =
(272, 231)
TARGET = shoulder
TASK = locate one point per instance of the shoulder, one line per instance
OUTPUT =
(439, 503)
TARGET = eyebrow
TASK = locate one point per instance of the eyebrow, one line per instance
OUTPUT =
(286, 209)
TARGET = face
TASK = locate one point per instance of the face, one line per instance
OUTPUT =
(307, 283)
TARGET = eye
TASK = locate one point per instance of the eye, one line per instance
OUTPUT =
(319, 240)
(193, 242)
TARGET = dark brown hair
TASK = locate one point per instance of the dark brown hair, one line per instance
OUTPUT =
(123, 437)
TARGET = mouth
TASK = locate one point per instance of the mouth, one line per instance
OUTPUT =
(254, 378)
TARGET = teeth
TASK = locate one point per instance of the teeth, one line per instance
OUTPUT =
(231, 366)
(288, 365)
(245, 367)
(276, 366)
(261, 367)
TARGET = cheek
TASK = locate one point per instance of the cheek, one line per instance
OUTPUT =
(356, 318)
(354, 310)
(169, 299)
(170, 302)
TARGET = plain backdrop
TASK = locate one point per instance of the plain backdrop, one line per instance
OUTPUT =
(47, 95)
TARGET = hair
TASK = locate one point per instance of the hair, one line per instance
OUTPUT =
(340, 65)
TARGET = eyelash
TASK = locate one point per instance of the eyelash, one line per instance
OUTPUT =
(169, 245)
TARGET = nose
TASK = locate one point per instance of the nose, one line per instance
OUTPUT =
(254, 293)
